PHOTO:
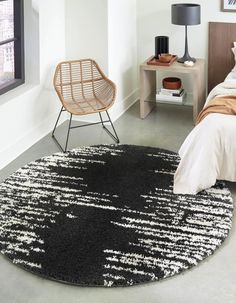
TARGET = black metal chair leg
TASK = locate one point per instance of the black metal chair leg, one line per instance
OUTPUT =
(100, 115)
(115, 136)
(68, 133)
(57, 122)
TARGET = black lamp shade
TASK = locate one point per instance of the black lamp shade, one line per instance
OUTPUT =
(186, 14)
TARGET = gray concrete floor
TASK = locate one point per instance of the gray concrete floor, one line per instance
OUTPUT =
(212, 281)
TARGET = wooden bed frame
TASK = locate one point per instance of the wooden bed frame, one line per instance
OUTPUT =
(220, 57)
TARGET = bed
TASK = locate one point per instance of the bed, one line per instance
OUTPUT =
(209, 151)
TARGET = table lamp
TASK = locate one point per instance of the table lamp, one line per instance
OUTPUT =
(186, 14)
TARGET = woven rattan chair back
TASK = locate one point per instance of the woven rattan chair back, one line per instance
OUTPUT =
(83, 89)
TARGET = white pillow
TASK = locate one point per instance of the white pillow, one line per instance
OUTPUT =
(231, 76)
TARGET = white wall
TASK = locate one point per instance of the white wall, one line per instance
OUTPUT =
(122, 52)
(105, 30)
(86, 30)
(28, 112)
(154, 19)
(31, 24)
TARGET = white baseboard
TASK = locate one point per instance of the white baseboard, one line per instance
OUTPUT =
(117, 110)
(29, 139)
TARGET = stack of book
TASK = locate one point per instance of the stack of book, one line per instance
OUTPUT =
(170, 95)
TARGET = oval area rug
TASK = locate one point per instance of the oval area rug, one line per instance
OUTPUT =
(106, 216)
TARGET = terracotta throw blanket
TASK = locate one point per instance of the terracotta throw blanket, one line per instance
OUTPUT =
(223, 105)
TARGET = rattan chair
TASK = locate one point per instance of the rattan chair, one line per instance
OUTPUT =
(83, 89)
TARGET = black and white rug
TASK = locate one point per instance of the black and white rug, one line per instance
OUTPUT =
(106, 216)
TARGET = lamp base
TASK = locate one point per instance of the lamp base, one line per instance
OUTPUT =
(186, 58)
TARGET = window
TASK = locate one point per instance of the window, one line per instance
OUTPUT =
(11, 44)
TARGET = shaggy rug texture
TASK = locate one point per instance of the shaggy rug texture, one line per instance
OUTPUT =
(106, 216)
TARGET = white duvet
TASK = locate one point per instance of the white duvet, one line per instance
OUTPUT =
(209, 152)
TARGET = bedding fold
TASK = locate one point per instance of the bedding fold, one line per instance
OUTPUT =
(221, 105)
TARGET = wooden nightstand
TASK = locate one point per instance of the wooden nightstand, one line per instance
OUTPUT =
(148, 80)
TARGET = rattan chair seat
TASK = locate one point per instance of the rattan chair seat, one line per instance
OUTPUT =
(85, 106)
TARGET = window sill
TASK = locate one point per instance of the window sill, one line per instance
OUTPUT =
(16, 92)
(4, 88)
